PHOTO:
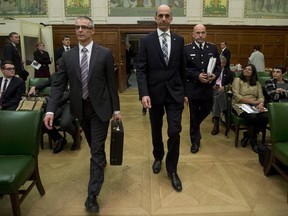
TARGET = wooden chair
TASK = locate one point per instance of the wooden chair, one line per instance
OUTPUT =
(278, 118)
(235, 122)
(19, 149)
(57, 122)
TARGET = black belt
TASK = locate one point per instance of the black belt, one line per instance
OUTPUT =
(88, 99)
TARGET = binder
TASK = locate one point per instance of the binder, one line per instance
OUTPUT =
(116, 143)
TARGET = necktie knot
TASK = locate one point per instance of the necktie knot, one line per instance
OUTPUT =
(201, 46)
(84, 50)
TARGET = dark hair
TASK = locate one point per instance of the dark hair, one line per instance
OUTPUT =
(11, 34)
(281, 67)
(3, 63)
(257, 47)
(254, 78)
(65, 36)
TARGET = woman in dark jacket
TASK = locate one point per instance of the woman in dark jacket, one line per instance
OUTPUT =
(43, 58)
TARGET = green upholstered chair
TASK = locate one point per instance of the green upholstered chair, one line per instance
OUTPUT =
(264, 74)
(263, 79)
(278, 118)
(235, 122)
(37, 81)
(19, 149)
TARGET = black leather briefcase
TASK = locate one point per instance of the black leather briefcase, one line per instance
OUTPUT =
(116, 143)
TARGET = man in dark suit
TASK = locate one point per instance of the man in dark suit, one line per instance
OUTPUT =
(161, 83)
(65, 47)
(11, 87)
(226, 53)
(219, 99)
(11, 53)
(200, 82)
(89, 68)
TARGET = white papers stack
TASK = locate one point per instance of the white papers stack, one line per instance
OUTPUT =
(211, 66)
(250, 109)
(36, 65)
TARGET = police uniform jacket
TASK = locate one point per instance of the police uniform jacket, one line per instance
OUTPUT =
(196, 62)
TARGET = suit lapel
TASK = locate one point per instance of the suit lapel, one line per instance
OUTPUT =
(93, 59)
(158, 46)
(173, 46)
(75, 55)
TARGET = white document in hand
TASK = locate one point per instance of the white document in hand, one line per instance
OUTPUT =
(211, 66)
(36, 65)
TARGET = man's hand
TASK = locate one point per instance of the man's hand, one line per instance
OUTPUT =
(32, 90)
(211, 77)
(48, 121)
(146, 102)
(117, 117)
(203, 77)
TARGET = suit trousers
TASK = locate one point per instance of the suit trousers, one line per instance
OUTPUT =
(95, 131)
(219, 103)
(66, 119)
(174, 115)
(199, 110)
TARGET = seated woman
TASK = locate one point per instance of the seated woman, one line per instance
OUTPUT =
(247, 90)
(277, 87)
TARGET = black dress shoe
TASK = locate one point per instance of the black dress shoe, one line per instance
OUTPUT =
(175, 181)
(245, 139)
(156, 166)
(254, 145)
(76, 145)
(91, 204)
(195, 148)
(60, 145)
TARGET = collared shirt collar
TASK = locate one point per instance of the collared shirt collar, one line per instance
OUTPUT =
(88, 47)
(199, 44)
(159, 32)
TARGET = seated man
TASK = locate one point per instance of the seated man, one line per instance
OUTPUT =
(219, 100)
(11, 87)
(63, 112)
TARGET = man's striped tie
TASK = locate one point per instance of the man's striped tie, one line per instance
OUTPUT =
(84, 73)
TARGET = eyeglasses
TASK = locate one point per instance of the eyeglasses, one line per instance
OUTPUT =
(10, 69)
(77, 27)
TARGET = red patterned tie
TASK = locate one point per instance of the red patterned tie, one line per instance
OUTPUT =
(3, 90)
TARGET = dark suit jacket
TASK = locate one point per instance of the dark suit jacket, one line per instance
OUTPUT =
(196, 62)
(153, 76)
(227, 54)
(58, 53)
(11, 53)
(103, 92)
(227, 77)
(42, 58)
(13, 93)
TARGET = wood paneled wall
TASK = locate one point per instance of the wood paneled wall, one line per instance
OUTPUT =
(272, 40)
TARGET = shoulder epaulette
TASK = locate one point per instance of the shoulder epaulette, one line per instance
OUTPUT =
(188, 44)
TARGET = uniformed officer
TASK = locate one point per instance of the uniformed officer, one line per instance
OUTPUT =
(200, 80)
